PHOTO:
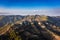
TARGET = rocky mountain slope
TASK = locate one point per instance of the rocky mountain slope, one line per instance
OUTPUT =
(31, 27)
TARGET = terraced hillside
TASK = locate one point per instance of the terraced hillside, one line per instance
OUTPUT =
(31, 28)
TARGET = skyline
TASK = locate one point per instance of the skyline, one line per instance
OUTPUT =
(30, 7)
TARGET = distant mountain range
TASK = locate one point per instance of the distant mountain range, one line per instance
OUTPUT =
(9, 19)
(14, 18)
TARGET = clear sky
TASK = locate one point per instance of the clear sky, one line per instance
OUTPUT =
(16, 6)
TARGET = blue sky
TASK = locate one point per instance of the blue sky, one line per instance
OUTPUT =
(29, 3)
(16, 5)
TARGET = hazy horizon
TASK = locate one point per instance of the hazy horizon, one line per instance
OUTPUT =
(30, 7)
